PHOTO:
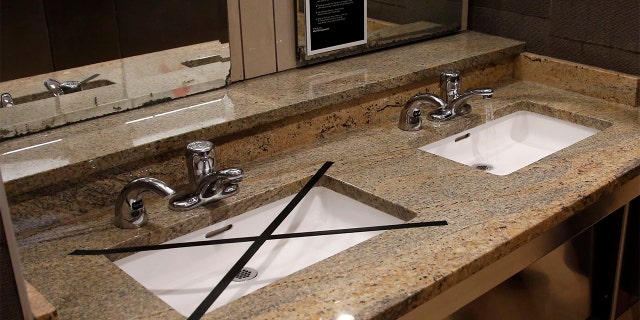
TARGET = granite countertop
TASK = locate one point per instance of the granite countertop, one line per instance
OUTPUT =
(384, 277)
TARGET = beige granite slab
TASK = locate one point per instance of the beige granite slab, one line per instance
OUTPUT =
(280, 140)
(591, 81)
(383, 272)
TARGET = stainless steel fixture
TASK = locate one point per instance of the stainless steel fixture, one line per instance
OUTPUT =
(130, 211)
(6, 101)
(54, 87)
(451, 104)
(58, 88)
(205, 185)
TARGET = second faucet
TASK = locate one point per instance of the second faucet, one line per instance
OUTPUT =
(451, 104)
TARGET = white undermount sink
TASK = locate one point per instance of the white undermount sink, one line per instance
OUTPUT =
(509, 143)
(183, 277)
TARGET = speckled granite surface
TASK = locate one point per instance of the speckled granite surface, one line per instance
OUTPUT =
(591, 81)
(352, 122)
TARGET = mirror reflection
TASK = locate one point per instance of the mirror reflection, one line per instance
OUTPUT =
(62, 62)
(389, 23)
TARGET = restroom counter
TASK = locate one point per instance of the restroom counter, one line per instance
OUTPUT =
(382, 278)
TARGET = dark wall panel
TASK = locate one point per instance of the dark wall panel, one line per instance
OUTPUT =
(531, 29)
(153, 25)
(535, 8)
(408, 11)
(40, 36)
(82, 32)
(24, 39)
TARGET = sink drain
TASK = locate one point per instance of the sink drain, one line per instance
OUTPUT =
(245, 274)
(483, 166)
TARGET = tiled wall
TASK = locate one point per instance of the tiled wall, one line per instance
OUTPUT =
(604, 34)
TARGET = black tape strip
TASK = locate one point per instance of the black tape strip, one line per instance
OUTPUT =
(292, 235)
(255, 246)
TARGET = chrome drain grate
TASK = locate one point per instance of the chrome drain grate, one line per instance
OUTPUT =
(483, 166)
(245, 274)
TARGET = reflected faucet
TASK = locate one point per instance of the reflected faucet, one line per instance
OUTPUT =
(58, 88)
(451, 104)
(205, 185)
(7, 101)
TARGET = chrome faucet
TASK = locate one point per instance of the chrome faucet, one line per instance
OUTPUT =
(6, 101)
(452, 104)
(58, 88)
(205, 185)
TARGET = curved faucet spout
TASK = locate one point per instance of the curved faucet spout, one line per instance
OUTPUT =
(410, 115)
(213, 187)
(130, 212)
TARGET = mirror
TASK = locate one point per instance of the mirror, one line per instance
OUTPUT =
(143, 52)
(150, 51)
(388, 23)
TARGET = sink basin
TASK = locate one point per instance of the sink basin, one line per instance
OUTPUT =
(507, 144)
(183, 277)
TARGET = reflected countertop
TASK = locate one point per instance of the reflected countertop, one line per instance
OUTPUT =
(281, 128)
(121, 84)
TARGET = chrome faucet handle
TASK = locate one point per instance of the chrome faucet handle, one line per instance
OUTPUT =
(410, 116)
(217, 186)
(220, 185)
(449, 85)
(200, 161)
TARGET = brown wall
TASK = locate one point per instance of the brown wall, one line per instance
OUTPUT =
(604, 34)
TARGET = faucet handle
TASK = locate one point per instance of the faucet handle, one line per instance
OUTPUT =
(200, 147)
(449, 85)
(200, 160)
